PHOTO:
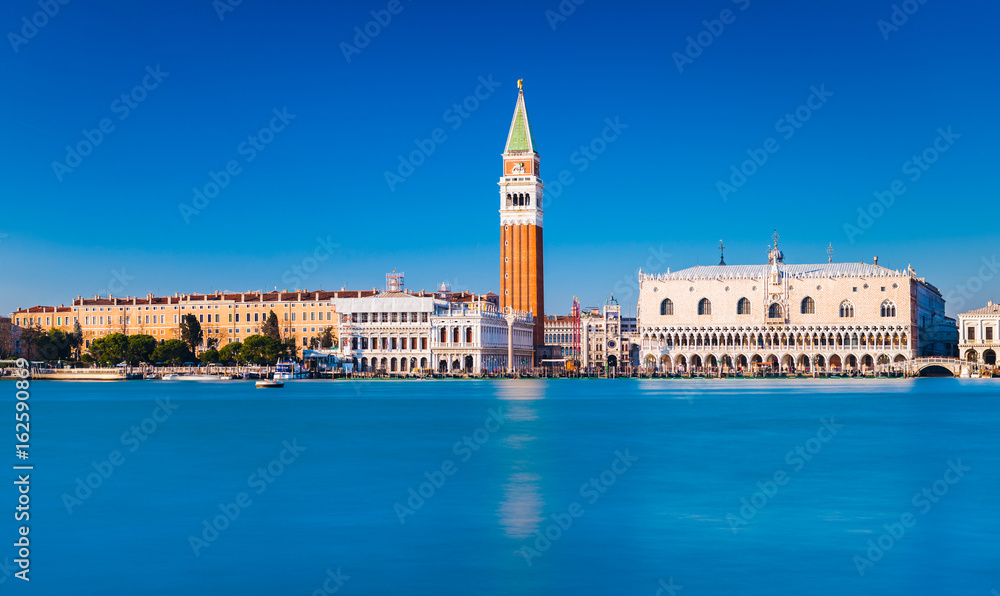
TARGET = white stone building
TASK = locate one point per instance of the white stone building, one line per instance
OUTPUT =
(979, 340)
(605, 338)
(400, 332)
(831, 316)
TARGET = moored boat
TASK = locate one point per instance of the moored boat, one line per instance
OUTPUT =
(288, 370)
(266, 384)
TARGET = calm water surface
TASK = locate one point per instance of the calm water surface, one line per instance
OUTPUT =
(559, 487)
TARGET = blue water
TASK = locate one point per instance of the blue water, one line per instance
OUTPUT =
(694, 449)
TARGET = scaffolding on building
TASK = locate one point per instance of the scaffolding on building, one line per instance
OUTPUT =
(394, 281)
(575, 315)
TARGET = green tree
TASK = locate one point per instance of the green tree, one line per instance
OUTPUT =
(140, 348)
(229, 351)
(261, 349)
(209, 356)
(173, 351)
(77, 338)
(325, 339)
(270, 328)
(110, 349)
(56, 344)
(32, 339)
(191, 332)
(287, 350)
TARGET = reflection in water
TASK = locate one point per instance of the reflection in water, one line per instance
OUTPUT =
(520, 413)
(520, 390)
(520, 508)
(516, 441)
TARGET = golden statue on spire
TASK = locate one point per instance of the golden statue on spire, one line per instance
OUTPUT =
(519, 83)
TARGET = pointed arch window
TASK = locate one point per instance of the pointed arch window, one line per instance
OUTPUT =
(808, 306)
(774, 311)
(888, 309)
(704, 307)
(743, 307)
(846, 309)
(667, 307)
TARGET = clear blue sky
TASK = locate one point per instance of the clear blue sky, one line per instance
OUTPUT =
(651, 199)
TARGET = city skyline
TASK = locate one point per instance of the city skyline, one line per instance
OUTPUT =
(357, 156)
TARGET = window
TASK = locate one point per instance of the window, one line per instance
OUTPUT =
(666, 307)
(888, 309)
(704, 307)
(989, 333)
(808, 306)
(774, 311)
(743, 307)
(846, 309)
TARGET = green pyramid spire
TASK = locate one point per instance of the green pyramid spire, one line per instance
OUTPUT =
(520, 139)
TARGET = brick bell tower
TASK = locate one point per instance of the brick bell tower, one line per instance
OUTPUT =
(523, 281)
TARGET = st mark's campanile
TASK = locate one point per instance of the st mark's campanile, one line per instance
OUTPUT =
(522, 281)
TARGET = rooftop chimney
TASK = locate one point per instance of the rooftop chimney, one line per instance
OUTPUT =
(876, 260)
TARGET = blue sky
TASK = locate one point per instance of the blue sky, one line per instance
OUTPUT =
(651, 198)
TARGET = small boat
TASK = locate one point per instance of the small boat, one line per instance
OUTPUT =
(266, 384)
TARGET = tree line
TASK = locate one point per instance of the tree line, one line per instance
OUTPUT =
(264, 348)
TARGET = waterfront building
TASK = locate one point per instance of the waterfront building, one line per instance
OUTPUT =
(399, 331)
(829, 317)
(605, 342)
(224, 317)
(522, 280)
(392, 331)
(978, 329)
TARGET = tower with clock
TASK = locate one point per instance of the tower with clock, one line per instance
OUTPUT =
(522, 279)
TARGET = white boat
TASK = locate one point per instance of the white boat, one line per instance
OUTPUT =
(286, 371)
(265, 384)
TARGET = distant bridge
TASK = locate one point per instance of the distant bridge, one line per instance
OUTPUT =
(918, 366)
